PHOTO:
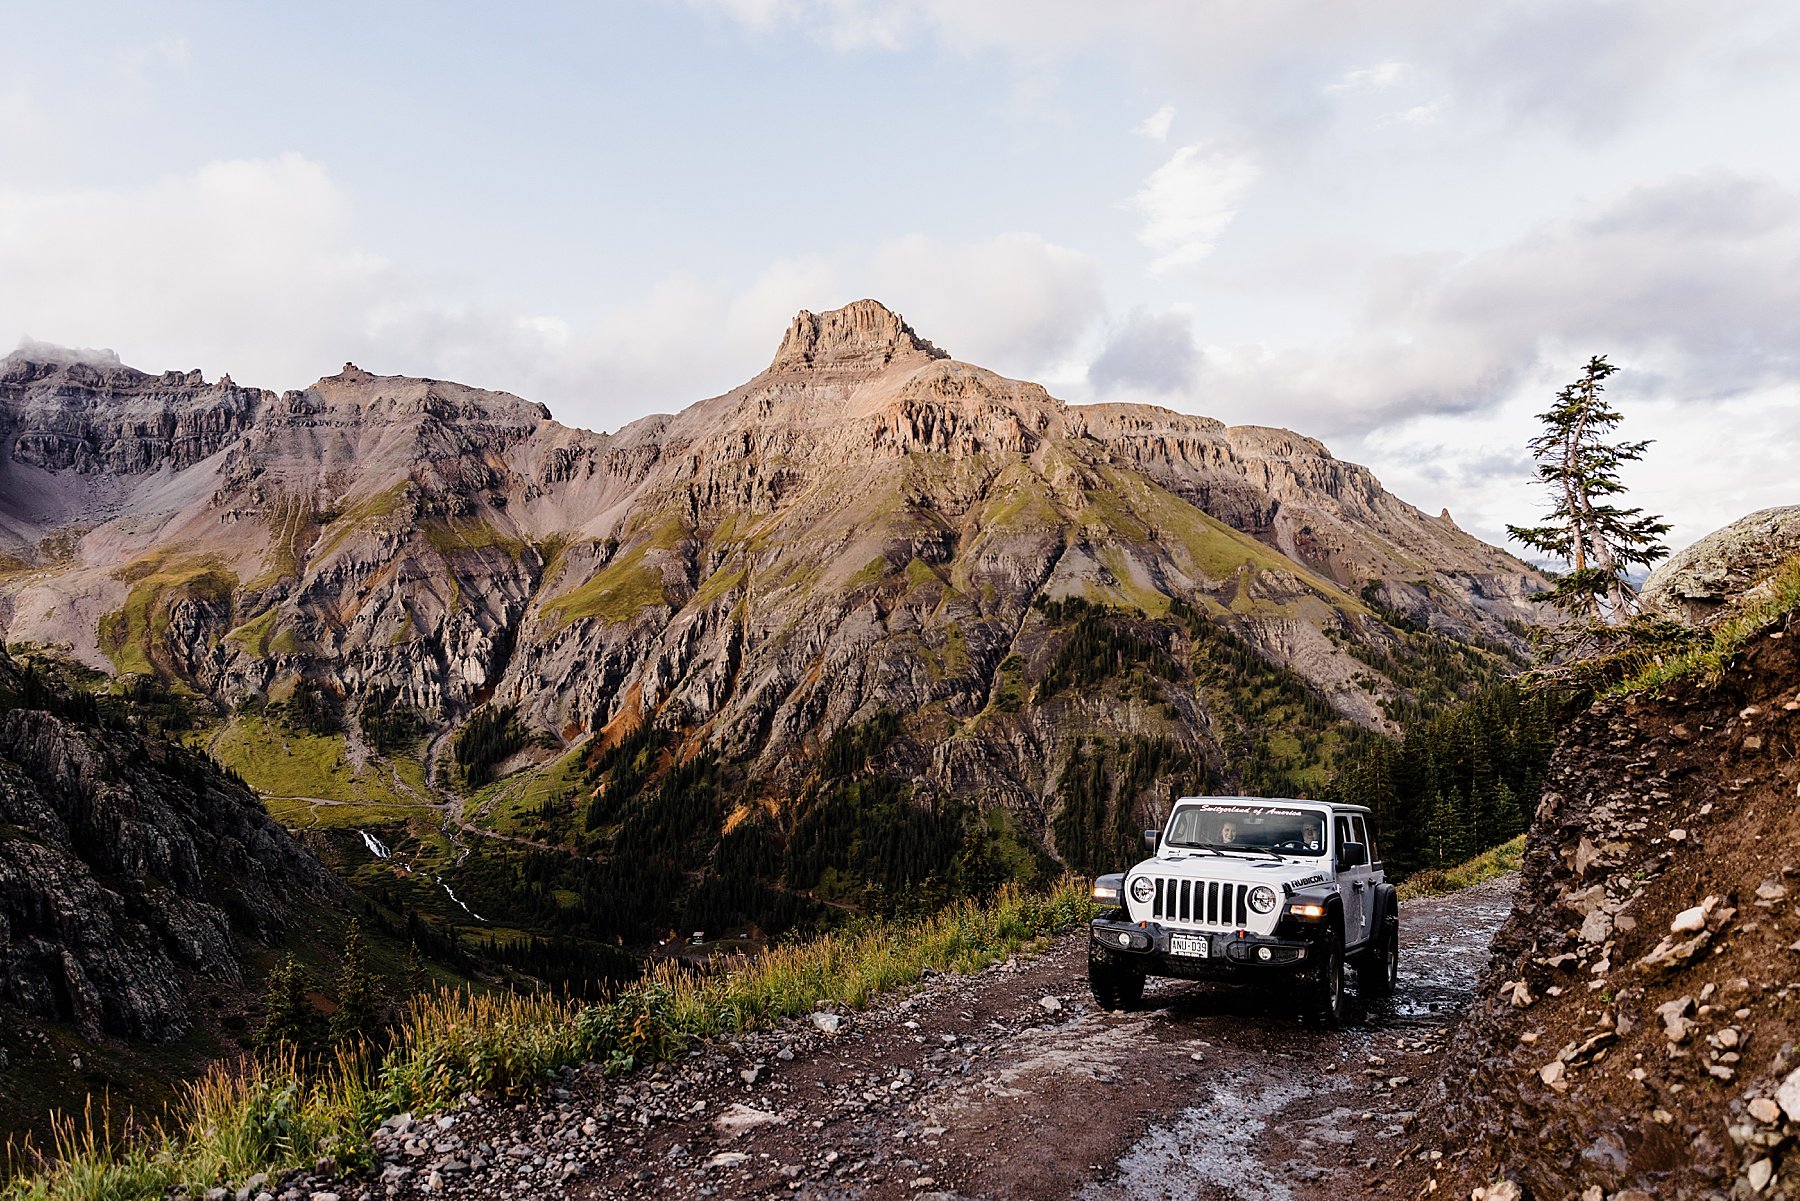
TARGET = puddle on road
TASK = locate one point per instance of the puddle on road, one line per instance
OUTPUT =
(1217, 1144)
(1440, 964)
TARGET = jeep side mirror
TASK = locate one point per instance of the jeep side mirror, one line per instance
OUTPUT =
(1152, 840)
(1352, 854)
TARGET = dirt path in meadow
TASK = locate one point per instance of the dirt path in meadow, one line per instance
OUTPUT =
(1008, 1083)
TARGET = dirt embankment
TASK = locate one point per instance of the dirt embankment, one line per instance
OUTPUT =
(1636, 1037)
(1004, 1084)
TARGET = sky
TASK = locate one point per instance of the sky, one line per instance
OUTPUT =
(1398, 226)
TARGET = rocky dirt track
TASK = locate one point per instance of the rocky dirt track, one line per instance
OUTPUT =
(1005, 1084)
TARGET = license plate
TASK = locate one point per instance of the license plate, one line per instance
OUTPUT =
(1190, 944)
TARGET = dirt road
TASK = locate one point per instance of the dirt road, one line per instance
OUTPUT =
(1006, 1084)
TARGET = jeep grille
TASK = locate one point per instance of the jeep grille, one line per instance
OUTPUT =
(1201, 902)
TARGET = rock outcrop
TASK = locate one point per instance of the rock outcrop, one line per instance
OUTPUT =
(864, 334)
(1723, 571)
(129, 867)
(1635, 1036)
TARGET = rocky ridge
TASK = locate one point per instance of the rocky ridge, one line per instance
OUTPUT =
(1716, 576)
(867, 511)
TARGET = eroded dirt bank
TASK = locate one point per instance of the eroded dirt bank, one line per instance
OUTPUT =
(1005, 1084)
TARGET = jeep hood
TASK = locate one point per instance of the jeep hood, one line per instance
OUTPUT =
(1238, 869)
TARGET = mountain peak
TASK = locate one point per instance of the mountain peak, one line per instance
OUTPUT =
(49, 352)
(864, 333)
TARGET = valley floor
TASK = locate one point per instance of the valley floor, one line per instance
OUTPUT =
(1005, 1084)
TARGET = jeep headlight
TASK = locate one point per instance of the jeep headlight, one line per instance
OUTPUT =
(1262, 898)
(1143, 888)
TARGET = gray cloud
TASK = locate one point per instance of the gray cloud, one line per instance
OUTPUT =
(1587, 67)
(49, 352)
(1690, 281)
(1152, 353)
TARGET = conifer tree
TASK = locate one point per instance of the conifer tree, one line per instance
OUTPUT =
(1584, 527)
(288, 1015)
(418, 980)
(359, 1007)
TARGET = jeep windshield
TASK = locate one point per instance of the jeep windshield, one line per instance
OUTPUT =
(1248, 829)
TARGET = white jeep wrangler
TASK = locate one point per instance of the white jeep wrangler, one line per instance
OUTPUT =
(1275, 892)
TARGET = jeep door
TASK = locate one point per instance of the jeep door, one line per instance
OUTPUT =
(1353, 885)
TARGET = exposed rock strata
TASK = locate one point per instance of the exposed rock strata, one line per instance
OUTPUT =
(128, 866)
(867, 512)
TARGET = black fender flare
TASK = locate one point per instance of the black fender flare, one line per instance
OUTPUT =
(1387, 905)
(1332, 924)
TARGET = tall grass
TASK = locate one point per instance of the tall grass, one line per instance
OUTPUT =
(273, 1114)
(1708, 657)
(1490, 864)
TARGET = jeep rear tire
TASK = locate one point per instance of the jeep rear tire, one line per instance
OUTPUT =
(1327, 1002)
(1379, 974)
(1115, 986)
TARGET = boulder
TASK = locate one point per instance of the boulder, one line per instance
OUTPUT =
(1706, 581)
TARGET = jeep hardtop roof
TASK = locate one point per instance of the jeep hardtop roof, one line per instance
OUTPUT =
(1333, 806)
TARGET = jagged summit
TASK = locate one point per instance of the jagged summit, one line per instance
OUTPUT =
(862, 334)
(32, 351)
(391, 532)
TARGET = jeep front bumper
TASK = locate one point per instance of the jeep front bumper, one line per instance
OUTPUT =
(1158, 950)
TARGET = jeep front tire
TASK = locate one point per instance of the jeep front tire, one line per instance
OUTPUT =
(1327, 1001)
(1115, 986)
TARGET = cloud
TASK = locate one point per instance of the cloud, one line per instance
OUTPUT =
(1150, 355)
(1187, 203)
(1590, 68)
(240, 260)
(1156, 125)
(1586, 68)
(1419, 114)
(1378, 78)
(1015, 303)
(254, 267)
(1688, 280)
(1685, 284)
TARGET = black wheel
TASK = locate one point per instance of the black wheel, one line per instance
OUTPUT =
(1380, 972)
(1115, 986)
(1328, 985)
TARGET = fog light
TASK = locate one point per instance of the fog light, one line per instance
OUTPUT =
(1264, 954)
(1124, 940)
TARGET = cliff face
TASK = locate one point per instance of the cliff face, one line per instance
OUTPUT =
(1635, 1035)
(97, 418)
(866, 525)
(129, 867)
